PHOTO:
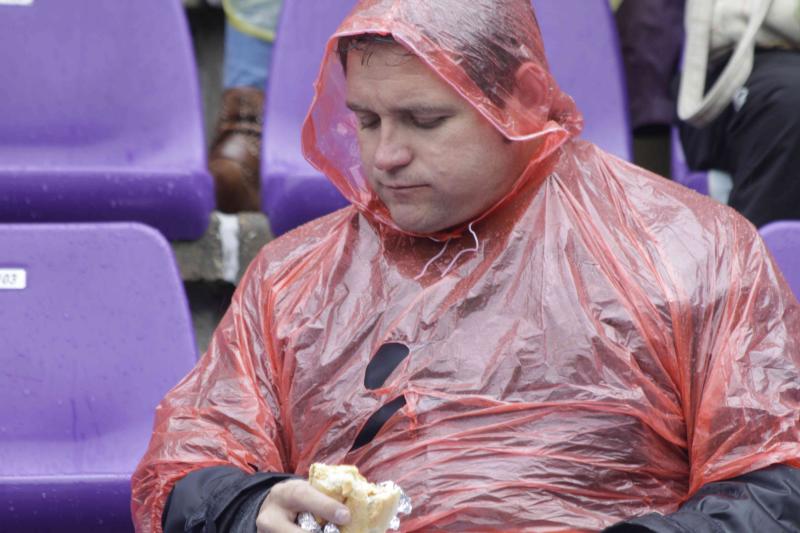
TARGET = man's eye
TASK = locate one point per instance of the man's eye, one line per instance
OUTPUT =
(428, 123)
(369, 123)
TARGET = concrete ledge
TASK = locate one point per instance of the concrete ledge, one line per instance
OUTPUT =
(227, 248)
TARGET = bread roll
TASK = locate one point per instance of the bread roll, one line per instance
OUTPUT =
(372, 507)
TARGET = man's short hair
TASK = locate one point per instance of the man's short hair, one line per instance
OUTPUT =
(493, 68)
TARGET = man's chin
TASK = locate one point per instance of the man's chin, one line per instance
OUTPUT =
(416, 229)
(412, 222)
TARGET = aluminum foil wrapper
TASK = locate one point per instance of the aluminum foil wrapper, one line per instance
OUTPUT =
(404, 508)
(307, 522)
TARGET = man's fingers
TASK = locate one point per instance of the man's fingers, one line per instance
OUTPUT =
(276, 522)
(274, 517)
(287, 499)
(299, 496)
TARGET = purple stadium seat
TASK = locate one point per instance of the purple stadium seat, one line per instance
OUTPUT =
(101, 116)
(783, 240)
(581, 42)
(93, 334)
(680, 169)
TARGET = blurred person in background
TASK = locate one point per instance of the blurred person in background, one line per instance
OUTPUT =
(651, 39)
(235, 154)
(740, 101)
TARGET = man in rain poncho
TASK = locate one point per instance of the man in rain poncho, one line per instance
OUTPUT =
(522, 331)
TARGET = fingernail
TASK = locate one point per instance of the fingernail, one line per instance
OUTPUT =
(342, 515)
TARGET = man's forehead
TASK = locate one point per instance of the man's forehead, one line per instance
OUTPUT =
(386, 53)
(400, 90)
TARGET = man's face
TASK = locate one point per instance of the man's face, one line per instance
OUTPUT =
(428, 154)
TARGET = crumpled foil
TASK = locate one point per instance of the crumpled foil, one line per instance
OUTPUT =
(403, 508)
(307, 522)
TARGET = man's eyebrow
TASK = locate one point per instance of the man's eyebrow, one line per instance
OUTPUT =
(356, 108)
(415, 109)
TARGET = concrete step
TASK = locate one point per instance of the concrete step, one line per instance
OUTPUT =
(212, 266)
(225, 250)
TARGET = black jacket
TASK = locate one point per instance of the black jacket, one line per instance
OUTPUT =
(225, 499)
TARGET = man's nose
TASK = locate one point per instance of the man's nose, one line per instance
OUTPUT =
(392, 152)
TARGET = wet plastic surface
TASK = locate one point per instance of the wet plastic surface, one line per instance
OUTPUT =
(616, 342)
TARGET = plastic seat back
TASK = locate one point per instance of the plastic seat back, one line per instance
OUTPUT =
(581, 42)
(94, 330)
(101, 116)
(292, 191)
(582, 45)
(697, 181)
(783, 240)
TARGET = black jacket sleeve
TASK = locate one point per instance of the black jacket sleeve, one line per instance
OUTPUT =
(224, 499)
(219, 499)
(765, 501)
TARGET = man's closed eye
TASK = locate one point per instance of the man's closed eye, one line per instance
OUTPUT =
(428, 123)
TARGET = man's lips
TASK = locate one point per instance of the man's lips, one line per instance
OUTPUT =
(397, 193)
(396, 187)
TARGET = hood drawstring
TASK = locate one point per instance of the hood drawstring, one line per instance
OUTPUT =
(452, 261)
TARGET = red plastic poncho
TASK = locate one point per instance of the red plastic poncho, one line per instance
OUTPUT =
(615, 342)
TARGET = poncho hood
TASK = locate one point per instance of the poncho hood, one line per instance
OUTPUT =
(476, 47)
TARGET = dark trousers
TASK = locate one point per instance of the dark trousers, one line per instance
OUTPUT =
(651, 35)
(758, 144)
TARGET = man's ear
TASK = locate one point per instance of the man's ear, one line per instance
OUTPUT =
(533, 86)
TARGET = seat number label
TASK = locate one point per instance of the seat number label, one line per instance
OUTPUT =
(13, 279)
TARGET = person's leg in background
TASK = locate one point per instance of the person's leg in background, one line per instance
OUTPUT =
(651, 35)
(235, 154)
(756, 139)
(763, 144)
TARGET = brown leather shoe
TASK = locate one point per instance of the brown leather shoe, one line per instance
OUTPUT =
(235, 156)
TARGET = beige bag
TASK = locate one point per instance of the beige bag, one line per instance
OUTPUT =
(715, 26)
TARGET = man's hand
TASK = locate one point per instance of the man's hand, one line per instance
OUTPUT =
(289, 498)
